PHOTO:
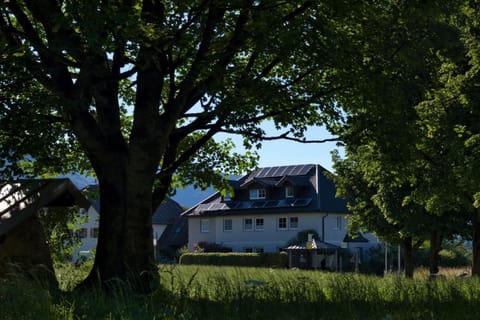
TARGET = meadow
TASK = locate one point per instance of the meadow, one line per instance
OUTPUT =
(205, 292)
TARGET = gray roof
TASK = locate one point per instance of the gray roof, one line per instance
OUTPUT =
(260, 181)
(167, 212)
(319, 193)
(174, 236)
(294, 180)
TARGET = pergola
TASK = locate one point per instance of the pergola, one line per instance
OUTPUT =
(313, 255)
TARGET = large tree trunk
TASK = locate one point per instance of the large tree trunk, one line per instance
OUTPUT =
(125, 241)
(408, 256)
(435, 247)
(476, 243)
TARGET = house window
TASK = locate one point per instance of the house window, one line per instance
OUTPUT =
(259, 224)
(257, 194)
(259, 250)
(338, 223)
(82, 233)
(293, 222)
(227, 225)
(282, 223)
(94, 233)
(289, 192)
(248, 224)
(248, 249)
(204, 225)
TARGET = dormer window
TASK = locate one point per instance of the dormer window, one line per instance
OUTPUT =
(256, 194)
(289, 192)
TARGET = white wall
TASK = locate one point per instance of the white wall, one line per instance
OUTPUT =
(270, 238)
(89, 242)
(158, 230)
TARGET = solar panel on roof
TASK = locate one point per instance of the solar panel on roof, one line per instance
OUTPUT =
(302, 202)
(258, 204)
(246, 204)
(271, 203)
(234, 205)
(289, 202)
(295, 170)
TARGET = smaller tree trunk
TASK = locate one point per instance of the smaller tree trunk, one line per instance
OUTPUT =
(408, 256)
(476, 243)
(435, 247)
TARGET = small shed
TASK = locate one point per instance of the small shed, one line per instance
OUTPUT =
(313, 255)
(22, 238)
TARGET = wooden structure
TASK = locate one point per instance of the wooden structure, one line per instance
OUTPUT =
(22, 239)
(313, 255)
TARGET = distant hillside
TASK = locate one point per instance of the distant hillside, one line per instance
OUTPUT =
(187, 197)
(190, 196)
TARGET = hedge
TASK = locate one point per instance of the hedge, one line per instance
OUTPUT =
(272, 260)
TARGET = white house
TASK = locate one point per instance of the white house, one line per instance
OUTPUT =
(269, 207)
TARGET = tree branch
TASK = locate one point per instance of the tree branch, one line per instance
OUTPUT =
(282, 136)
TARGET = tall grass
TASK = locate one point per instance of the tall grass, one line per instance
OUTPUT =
(202, 292)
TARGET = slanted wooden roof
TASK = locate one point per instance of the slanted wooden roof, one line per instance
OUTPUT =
(20, 199)
(318, 246)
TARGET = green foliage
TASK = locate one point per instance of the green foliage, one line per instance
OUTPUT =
(69, 275)
(17, 292)
(302, 237)
(402, 146)
(60, 225)
(141, 88)
(206, 292)
(453, 254)
(272, 260)
(135, 91)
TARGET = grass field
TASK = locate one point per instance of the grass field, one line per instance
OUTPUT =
(201, 292)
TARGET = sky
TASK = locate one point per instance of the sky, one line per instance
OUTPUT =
(285, 152)
(274, 153)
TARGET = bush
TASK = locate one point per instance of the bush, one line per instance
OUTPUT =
(273, 260)
(302, 237)
(453, 254)
(203, 246)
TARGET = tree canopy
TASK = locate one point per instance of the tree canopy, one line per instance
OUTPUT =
(136, 91)
(420, 131)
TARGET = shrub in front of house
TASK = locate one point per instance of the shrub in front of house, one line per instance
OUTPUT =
(272, 260)
(203, 246)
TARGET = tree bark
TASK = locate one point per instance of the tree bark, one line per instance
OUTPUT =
(476, 243)
(408, 256)
(125, 241)
(435, 247)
